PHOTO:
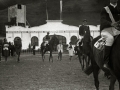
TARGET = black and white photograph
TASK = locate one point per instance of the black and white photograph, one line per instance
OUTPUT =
(59, 45)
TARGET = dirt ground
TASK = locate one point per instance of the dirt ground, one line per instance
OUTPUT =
(33, 74)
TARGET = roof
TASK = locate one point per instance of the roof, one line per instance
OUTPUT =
(51, 25)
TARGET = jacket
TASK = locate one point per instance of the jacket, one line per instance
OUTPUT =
(60, 48)
(105, 21)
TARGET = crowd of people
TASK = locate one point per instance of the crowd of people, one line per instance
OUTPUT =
(5, 45)
(6, 49)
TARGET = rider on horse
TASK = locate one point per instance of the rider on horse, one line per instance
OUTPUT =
(82, 30)
(47, 39)
(109, 27)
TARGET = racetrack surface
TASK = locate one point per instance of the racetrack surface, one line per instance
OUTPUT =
(34, 74)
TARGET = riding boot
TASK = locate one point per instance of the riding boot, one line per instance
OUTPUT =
(106, 56)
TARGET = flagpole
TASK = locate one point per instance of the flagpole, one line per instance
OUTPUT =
(60, 9)
(46, 10)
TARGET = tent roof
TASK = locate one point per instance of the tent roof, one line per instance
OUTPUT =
(52, 25)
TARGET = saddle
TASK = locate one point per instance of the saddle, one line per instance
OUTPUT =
(99, 49)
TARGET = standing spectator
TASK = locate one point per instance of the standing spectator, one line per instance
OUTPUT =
(5, 49)
(34, 49)
(60, 50)
(70, 50)
(9, 48)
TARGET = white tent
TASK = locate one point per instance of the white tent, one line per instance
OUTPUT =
(52, 26)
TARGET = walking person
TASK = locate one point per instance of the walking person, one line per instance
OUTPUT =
(60, 50)
(70, 50)
(6, 49)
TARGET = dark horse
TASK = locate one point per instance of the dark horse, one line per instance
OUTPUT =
(114, 63)
(97, 60)
(18, 46)
(50, 47)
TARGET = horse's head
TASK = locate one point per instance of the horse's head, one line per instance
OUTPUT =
(18, 44)
(54, 41)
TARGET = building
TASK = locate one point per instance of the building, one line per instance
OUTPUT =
(36, 34)
(32, 35)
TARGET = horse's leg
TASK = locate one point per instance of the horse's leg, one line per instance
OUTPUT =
(95, 74)
(5, 59)
(80, 61)
(83, 59)
(86, 60)
(18, 56)
(43, 54)
(112, 82)
(50, 57)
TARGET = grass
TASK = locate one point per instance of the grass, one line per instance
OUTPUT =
(33, 74)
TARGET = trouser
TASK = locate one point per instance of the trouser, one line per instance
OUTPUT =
(60, 55)
(108, 34)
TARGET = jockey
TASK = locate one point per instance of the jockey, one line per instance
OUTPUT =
(108, 24)
(47, 39)
(82, 30)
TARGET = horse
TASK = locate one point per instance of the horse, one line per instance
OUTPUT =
(97, 63)
(84, 47)
(18, 46)
(49, 47)
(92, 53)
